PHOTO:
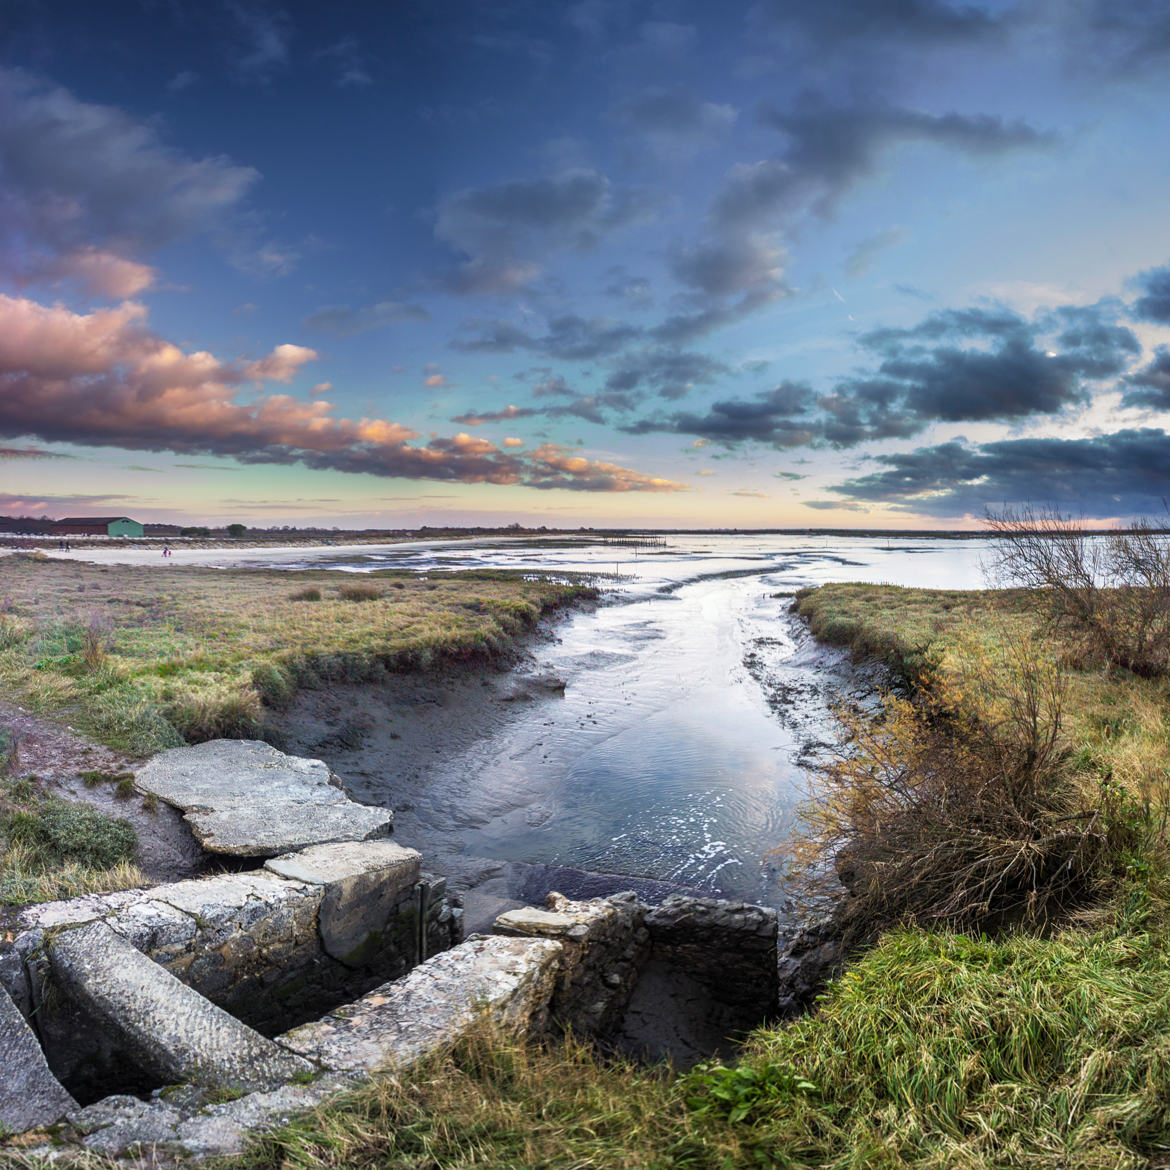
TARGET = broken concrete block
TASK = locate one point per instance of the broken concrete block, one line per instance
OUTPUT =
(367, 885)
(510, 980)
(170, 1028)
(245, 798)
(30, 1096)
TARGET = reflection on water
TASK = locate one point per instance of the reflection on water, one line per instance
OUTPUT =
(675, 751)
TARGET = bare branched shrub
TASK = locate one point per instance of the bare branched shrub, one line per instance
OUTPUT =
(1110, 590)
(96, 641)
(960, 807)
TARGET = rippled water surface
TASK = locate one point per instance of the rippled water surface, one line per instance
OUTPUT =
(675, 751)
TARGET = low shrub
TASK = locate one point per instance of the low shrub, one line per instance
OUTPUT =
(962, 806)
(54, 831)
(312, 593)
(359, 592)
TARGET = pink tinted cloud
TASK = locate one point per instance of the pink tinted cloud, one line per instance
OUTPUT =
(105, 379)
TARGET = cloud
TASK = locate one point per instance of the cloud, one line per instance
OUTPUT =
(672, 373)
(104, 379)
(556, 467)
(31, 453)
(833, 22)
(569, 337)
(1151, 383)
(87, 189)
(347, 322)
(512, 443)
(25, 504)
(502, 232)
(862, 255)
(1121, 474)
(675, 123)
(436, 381)
(263, 46)
(474, 418)
(828, 149)
(778, 417)
(1154, 304)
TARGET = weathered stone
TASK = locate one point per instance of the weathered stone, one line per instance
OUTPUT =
(605, 946)
(224, 1129)
(728, 947)
(245, 798)
(365, 885)
(30, 1096)
(510, 980)
(127, 1127)
(173, 1030)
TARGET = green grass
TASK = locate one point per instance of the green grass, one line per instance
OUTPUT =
(52, 848)
(934, 1050)
(146, 658)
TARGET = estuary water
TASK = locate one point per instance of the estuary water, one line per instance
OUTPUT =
(693, 698)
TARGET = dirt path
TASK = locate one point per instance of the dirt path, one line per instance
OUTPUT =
(57, 756)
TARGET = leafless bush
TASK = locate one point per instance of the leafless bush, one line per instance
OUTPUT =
(960, 807)
(1111, 591)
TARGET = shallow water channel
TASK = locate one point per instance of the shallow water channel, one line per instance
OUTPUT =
(675, 752)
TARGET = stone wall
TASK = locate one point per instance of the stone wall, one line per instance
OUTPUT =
(273, 947)
(605, 945)
(728, 947)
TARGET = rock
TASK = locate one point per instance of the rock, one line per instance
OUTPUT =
(530, 686)
(508, 979)
(30, 1096)
(225, 1129)
(246, 799)
(605, 946)
(125, 1126)
(170, 1028)
(365, 884)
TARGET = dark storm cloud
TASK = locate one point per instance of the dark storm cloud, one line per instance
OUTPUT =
(670, 372)
(1123, 474)
(829, 148)
(1151, 384)
(1099, 346)
(503, 231)
(861, 409)
(836, 21)
(1154, 304)
(778, 417)
(345, 321)
(958, 365)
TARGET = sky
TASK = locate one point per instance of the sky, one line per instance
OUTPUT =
(645, 263)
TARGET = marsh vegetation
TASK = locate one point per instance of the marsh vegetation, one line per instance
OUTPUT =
(146, 659)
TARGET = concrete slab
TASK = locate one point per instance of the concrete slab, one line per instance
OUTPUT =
(365, 884)
(176, 1033)
(246, 799)
(30, 1096)
(510, 980)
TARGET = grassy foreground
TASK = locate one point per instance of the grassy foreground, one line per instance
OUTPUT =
(144, 659)
(936, 1049)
